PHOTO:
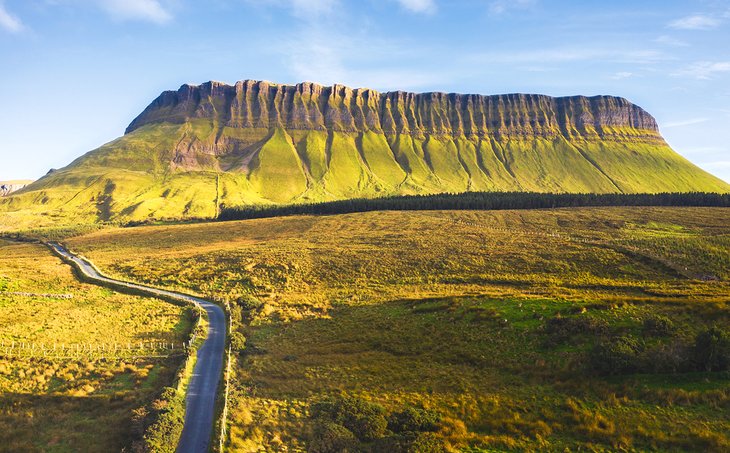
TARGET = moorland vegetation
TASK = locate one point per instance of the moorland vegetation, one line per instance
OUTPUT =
(81, 367)
(584, 328)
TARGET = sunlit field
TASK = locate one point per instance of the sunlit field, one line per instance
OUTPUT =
(75, 359)
(595, 328)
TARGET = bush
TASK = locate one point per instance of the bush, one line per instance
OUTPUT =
(249, 306)
(366, 420)
(414, 420)
(658, 326)
(427, 443)
(409, 443)
(330, 437)
(157, 426)
(615, 356)
(238, 342)
(666, 358)
(712, 350)
(236, 314)
(560, 330)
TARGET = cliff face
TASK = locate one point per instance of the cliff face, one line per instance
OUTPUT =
(308, 106)
(200, 147)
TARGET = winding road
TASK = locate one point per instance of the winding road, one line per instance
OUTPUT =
(203, 385)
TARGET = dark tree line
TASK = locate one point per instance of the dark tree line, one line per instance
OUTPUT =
(477, 201)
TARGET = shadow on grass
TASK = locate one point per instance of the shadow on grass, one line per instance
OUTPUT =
(49, 423)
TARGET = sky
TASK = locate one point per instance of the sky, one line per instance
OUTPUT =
(74, 73)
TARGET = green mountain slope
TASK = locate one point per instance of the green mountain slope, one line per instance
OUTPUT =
(200, 147)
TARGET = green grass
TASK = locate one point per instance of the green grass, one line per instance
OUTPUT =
(314, 153)
(346, 175)
(380, 159)
(444, 161)
(174, 171)
(86, 403)
(277, 173)
(653, 168)
(451, 311)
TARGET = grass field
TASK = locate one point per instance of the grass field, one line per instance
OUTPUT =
(188, 170)
(585, 329)
(86, 401)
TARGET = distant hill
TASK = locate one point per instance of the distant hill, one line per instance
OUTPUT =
(13, 185)
(255, 142)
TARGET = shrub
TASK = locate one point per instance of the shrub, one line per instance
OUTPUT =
(427, 443)
(712, 350)
(560, 330)
(238, 342)
(366, 420)
(236, 314)
(157, 427)
(658, 326)
(413, 420)
(615, 356)
(666, 358)
(409, 443)
(249, 307)
(330, 437)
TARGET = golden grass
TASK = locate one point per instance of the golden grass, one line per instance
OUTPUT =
(447, 310)
(83, 404)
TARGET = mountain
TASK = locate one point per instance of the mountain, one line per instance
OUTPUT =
(8, 187)
(257, 142)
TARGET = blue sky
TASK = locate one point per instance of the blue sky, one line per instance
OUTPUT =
(74, 73)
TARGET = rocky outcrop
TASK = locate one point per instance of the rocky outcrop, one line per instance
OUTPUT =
(309, 106)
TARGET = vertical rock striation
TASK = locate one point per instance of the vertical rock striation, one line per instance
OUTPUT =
(256, 142)
(308, 106)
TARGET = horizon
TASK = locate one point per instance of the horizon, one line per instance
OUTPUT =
(666, 57)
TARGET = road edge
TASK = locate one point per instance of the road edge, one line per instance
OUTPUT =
(186, 369)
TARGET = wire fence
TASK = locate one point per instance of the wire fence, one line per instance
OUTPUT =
(222, 436)
(39, 295)
(24, 349)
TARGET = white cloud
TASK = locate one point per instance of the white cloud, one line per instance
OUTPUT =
(326, 48)
(305, 9)
(9, 22)
(502, 6)
(622, 75)
(146, 10)
(704, 70)
(331, 56)
(683, 123)
(556, 55)
(695, 22)
(670, 41)
(312, 7)
(419, 6)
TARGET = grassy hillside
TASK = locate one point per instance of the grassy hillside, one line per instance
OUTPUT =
(189, 170)
(79, 401)
(585, 329)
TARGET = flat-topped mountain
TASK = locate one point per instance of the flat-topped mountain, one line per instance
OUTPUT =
(308, 106)
(255, 142)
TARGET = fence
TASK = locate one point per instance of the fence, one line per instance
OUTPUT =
(226, 384)
(40, 295)
(23, 349)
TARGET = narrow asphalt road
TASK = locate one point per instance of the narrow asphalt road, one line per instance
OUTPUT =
(200, 399)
